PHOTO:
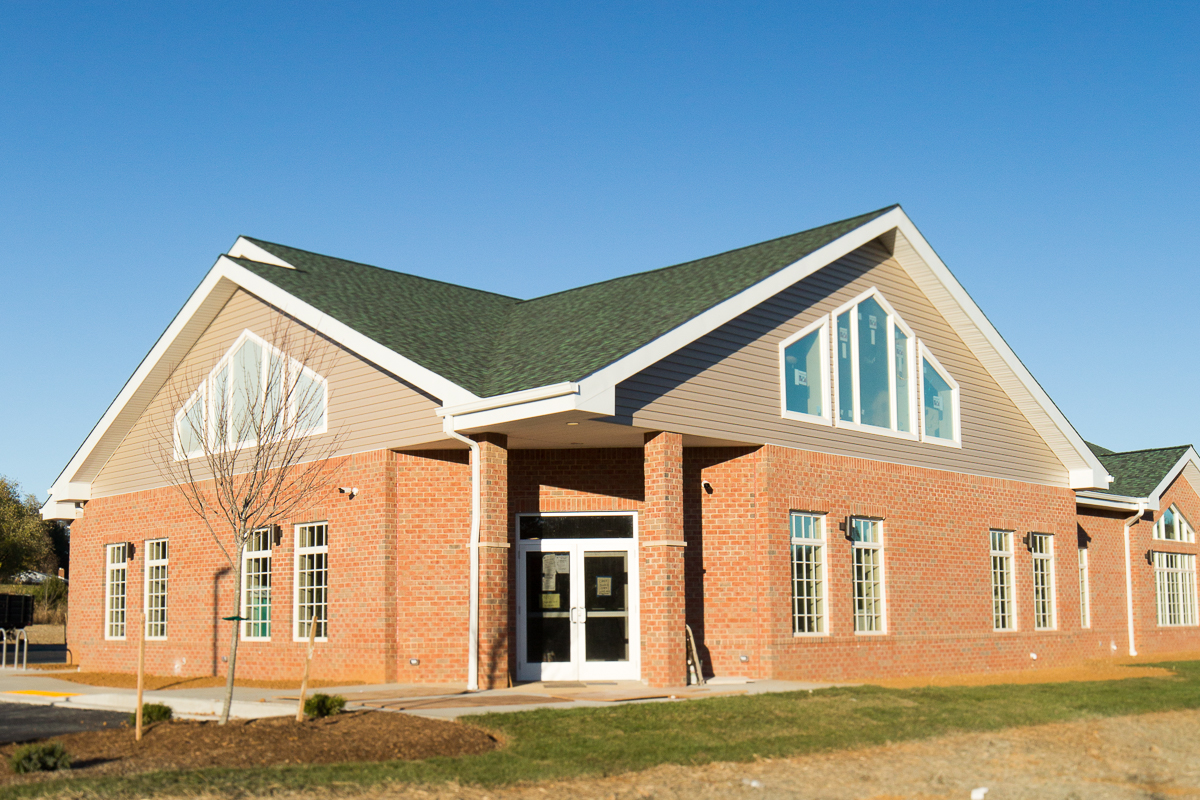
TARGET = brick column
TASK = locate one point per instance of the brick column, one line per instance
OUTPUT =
(493, 561)
(660, 530)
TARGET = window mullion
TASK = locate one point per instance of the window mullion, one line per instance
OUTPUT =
(891, 368)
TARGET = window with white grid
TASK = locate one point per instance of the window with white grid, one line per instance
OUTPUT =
(312, 580)
(1085, 601)
(1172, 527)
(1175, 588)
(156, 589)
(867, 543)
(116, 573)
(808, 573)
(1041, 546)
(1004, 616)
(256, 596)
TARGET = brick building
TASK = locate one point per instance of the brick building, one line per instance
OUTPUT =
(815, 452)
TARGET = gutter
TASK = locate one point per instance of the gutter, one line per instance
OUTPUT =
(1130, 522)
(473, 614)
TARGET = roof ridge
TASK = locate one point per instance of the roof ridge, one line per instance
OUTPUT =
(1147, 450)
(372, 266)
(872, 214)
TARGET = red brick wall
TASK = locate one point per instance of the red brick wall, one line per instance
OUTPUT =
(1149, 637)
(661, 572)
(362, 537)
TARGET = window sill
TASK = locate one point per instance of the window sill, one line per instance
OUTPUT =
(810, 635)
(870, 633)
(798, 416)
(876, 431)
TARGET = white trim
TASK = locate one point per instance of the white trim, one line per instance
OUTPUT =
(1189, 455)
(1011, 586)
(244, 248)
(878, 547)
(298, 551)
(1115, 502)
(1052, 576)
(510, 399)
(108, 592)
(147, 563)
(821, 327)
(826, 596)
(923, 354)
(247, 555)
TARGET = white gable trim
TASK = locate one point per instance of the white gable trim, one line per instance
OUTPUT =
(943, 290)
(185, 329)
(244, 248)
(1164, 484)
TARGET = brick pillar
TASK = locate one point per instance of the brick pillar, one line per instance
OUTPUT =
(493, 561)
(660, 530)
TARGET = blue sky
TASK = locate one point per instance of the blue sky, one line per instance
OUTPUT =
(1048, 151)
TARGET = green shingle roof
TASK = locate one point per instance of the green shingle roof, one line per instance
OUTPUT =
(1138, 472)
(492, 344)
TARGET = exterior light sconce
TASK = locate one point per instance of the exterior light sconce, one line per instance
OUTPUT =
(416, 662)
(352, 491)
(1150, 557)
(744, 658)
(1027, 540)
(130, 551)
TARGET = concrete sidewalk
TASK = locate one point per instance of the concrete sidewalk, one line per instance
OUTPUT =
(443, 701)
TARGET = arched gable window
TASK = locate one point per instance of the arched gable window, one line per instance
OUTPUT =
(254, 391)
(878, 378)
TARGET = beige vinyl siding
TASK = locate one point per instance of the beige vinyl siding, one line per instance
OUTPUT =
(369, 409)
(725, 385)
(1192, 475)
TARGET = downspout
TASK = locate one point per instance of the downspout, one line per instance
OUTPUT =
(476, 502)
(1141, 509)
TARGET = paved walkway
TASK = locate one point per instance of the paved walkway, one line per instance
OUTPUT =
(442, 701)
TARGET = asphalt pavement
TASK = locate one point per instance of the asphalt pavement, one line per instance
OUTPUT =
(22, 723)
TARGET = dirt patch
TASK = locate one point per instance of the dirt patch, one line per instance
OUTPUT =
(123, 680)
(1096, 671)
(361, 736)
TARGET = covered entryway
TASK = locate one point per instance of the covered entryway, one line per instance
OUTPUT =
(577, 596)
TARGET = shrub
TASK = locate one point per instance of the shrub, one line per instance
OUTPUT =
(323, 705)
(40, 757)
(153, 712)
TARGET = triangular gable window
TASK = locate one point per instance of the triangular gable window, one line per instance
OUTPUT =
(879, 377)
(254, 392)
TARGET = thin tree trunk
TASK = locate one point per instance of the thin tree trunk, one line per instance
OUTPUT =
(312, 635)
(236, 636)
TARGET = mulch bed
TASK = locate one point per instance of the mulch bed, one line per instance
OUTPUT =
(184, 744)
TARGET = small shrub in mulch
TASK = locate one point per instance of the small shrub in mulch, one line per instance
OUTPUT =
(324, 705)
(40, 757)
(187, 744)
(152, 712)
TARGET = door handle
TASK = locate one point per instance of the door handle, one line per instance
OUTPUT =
(578, 614)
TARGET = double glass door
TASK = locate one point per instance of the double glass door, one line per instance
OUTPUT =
(576, 608)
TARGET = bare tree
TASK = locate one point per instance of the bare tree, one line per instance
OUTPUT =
(250, 447)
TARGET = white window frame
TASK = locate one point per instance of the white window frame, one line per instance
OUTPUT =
(1187, 534)
(204, 393)
(109, 567)
(893, 319)
(1184, 568)
(956, 418)
(821, 582)
(301, 551)
(1009, 587)
(821, 327)
(198, 396)
(247, 556)
(149, 564)
(1085, 590)
(878, 548)
(1051, 589)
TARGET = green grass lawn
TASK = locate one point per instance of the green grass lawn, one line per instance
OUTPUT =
(553, 743)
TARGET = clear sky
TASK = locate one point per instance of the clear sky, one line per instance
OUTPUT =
(1048, 151)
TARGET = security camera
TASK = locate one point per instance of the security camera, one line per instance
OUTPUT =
(706, 486)
(352, 491)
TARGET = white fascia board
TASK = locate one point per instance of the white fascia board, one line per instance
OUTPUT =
(1191, 456)
(630, 365)
(244, 248)
(213, 282)
(61, 510)
(1114, 502)
(1085, 470)
(223, 280)
(404, 368)
(510, 399)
